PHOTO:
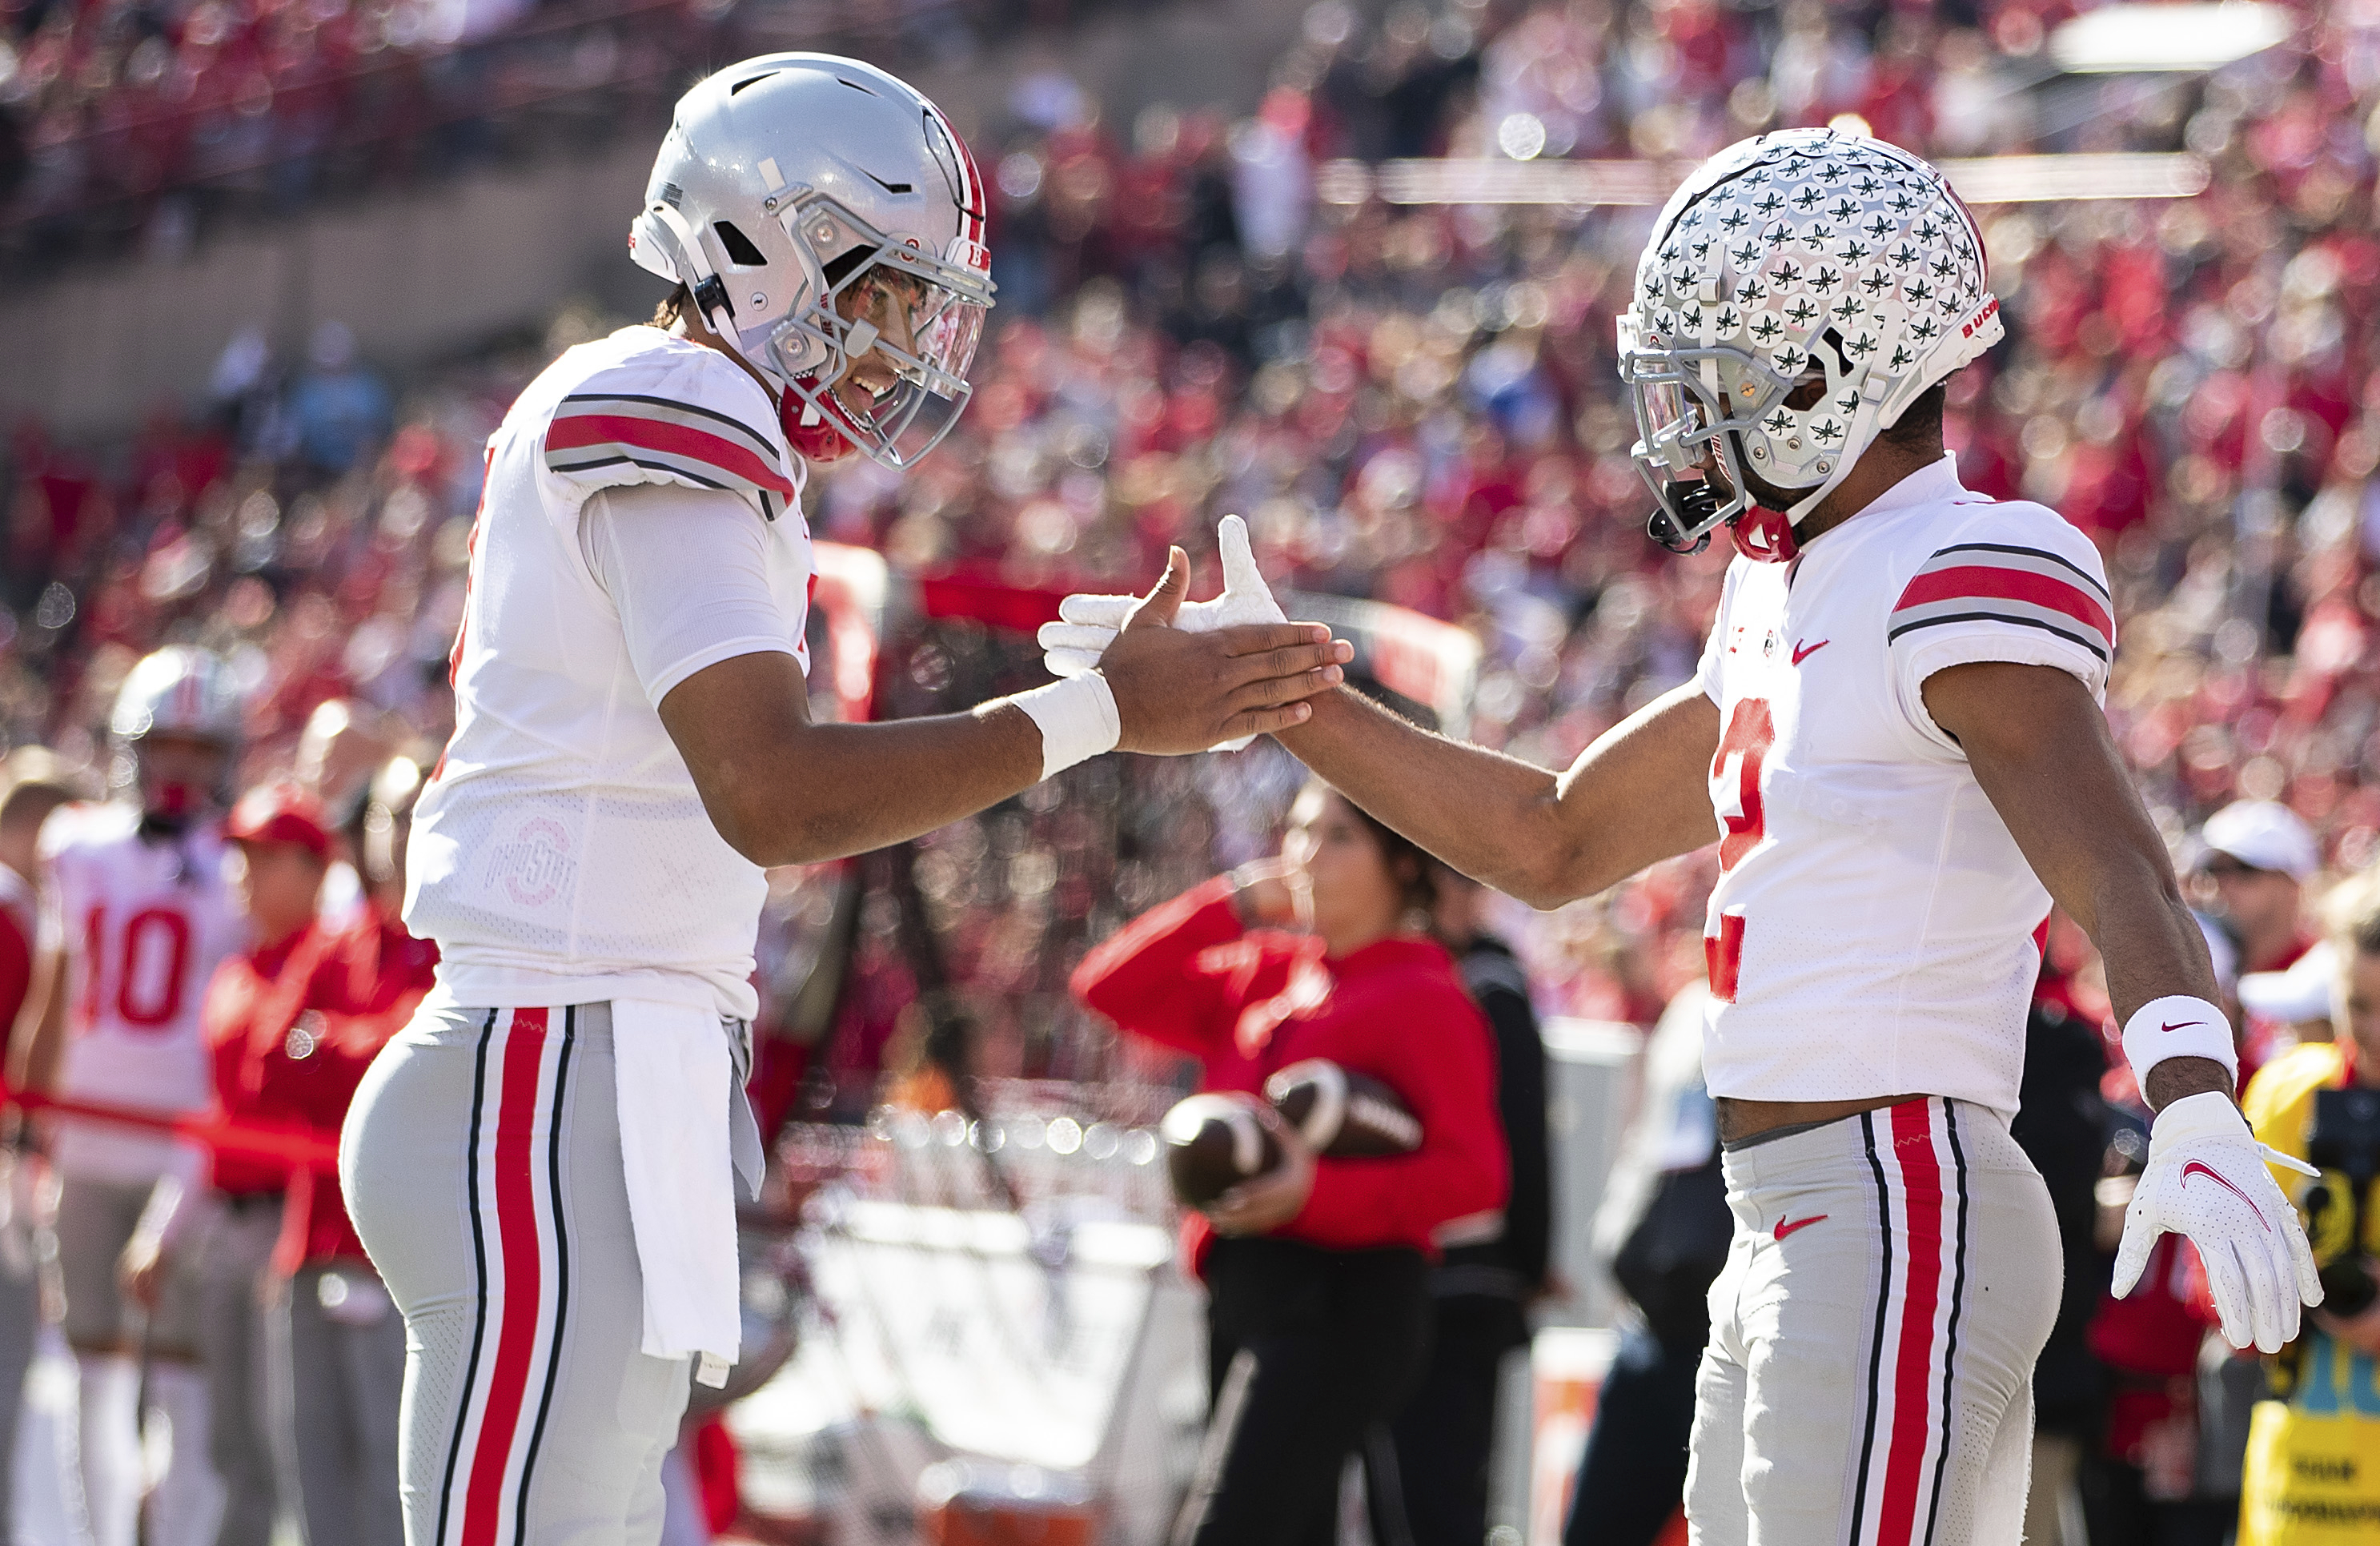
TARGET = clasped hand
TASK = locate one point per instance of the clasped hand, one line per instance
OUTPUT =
(1177, 692)
(1089, 625)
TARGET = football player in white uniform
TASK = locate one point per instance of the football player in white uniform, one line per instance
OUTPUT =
(540, 1163)
(144, 914)
(1896, 737)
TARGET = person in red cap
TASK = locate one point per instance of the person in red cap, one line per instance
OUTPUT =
(248, 1019)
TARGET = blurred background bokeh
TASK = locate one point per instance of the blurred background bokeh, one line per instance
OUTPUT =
(272, 270)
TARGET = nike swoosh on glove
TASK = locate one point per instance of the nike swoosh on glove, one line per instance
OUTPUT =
(2206, 1179)
(1088, 624)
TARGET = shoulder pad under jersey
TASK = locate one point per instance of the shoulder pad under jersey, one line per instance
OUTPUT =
(2014, 562)
(670, 411)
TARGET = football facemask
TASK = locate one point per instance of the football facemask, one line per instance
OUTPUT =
(1690, 406)
(881, 353)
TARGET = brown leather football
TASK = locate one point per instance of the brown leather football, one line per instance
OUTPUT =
(1341, 1112)
(1213, 1142)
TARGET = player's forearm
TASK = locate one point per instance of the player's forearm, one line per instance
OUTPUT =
(2127, 902)
(1487, 814)
(2152, 947)
(828, 791)
(2151, 943)
(1635, 798)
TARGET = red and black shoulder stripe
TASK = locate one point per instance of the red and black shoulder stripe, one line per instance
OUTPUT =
(2006, 582)
(593, 433)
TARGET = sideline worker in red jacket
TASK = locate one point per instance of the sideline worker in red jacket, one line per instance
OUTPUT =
(1318, 1311)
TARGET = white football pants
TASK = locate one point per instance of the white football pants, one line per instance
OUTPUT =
(481, 1166)
(1869, 1376)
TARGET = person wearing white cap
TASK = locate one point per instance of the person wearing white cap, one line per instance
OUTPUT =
(2259, 854)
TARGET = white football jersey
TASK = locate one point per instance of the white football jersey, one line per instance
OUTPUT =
(1874, 930)
(145, 921)
(560, 853)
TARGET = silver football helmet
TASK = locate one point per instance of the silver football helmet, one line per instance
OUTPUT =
(821, 213)
(180, 691)
(188, 693)
(1799, 292)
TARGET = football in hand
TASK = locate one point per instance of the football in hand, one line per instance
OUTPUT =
(1342, 1113)
(1215, 1141)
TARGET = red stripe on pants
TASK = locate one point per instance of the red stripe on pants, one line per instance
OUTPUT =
(518, 1316)
(1913, 1381)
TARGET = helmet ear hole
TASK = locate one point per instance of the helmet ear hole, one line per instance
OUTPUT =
(739, 248)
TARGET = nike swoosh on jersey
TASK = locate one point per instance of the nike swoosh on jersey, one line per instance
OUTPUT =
(2199, 1167)
(1802, 653)
(1787, 1226)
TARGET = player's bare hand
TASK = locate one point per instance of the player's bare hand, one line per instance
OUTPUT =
(1276, 1197)
(1180, 693)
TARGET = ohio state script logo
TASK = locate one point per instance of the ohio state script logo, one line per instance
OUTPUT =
(2199, 1167)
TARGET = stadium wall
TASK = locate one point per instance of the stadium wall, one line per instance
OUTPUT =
(418, 275)
(440, 270)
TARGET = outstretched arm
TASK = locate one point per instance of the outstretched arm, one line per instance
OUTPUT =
(1639, 795)
(2039, 747)
(2040, 751)
(783, 790)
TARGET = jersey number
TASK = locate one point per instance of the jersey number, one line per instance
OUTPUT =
(151, 958)
(1737, 792)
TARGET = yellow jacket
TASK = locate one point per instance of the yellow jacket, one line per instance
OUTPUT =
(2313, 1474)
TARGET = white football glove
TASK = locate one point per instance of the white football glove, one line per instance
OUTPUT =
(2206, 1180)
(1088, 624)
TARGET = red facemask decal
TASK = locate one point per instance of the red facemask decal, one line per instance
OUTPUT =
(1764, 535)
(822, 440)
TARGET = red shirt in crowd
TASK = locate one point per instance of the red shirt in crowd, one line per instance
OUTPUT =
(291, 1029)
(1246, 1004)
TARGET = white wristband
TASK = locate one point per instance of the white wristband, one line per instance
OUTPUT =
(1077, 717)
(2178, 1026)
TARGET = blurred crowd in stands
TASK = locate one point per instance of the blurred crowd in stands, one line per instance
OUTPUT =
(1413, 403)
(1418, 405)
(139, 120)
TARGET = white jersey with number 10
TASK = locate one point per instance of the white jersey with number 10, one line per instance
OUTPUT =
(145, 923)
(1875, 927)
